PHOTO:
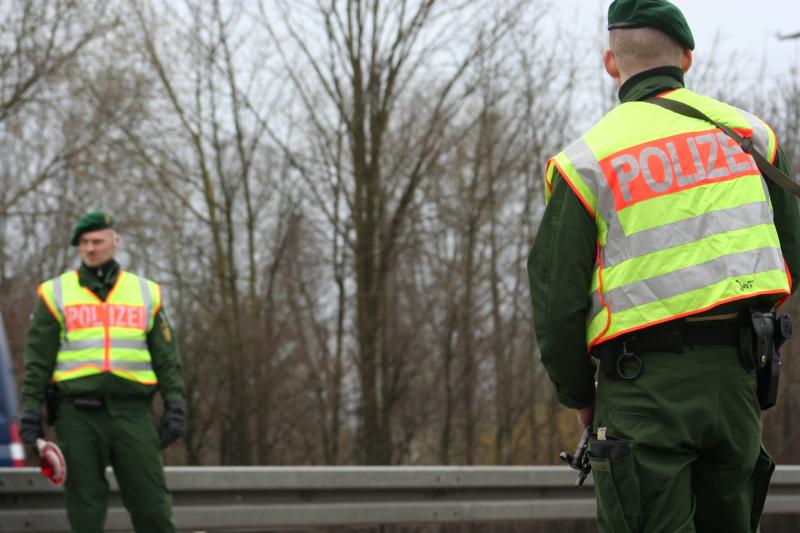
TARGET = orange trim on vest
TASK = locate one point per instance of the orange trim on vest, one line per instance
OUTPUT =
(789, 280)
(114, 371)
(600, 296)
(774, 155)
(137, 380)
(549, 185)
(575, 190)
(89, 292)
(157, 308)
(116, 285)
(73, 370)
(683, 315)
(93, 295)
(53, 312)
(662, 95)
(788, 275)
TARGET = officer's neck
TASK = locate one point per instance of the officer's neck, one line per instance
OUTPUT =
(650, 82)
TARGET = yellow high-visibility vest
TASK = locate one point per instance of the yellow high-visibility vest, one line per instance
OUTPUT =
(99, 336)
(684, 220)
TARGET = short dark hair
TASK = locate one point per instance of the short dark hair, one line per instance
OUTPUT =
(639, 49)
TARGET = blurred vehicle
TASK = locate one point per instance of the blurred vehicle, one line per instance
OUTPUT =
(12, 453)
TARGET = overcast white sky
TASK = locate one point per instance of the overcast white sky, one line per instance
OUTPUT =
(740, 24)
(745, 31)
(746, 23)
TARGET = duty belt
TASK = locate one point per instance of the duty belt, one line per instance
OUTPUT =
(619, 357)
(672, 336)
(87, 402)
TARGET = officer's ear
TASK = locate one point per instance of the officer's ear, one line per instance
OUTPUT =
(686, 62)
(610, 63)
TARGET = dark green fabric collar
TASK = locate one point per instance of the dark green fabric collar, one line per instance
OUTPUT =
(650, 82)
(99, 278)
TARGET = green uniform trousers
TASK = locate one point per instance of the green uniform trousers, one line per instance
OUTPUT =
(91, 439)
(689, 456)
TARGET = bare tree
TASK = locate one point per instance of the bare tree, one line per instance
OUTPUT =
(205, 147)
(48, 130)
(368, 58)
(44, 39)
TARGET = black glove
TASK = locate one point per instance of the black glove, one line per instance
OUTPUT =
(30, 427)
(173, 422)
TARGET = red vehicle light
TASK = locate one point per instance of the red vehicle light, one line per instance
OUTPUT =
(17, 450)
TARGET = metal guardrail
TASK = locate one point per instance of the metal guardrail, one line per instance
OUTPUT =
(250, 499)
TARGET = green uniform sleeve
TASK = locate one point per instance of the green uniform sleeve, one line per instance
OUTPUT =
(41, 349)
(560, 268)
(787, 220)
(166, 358)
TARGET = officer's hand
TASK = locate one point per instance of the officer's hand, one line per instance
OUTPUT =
(173, 422)
(30, 427)
(585, 415)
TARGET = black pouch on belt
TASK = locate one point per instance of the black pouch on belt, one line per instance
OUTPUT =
(760, 336)
(756, 338)
(767, 377)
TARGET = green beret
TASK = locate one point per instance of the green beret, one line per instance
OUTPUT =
(658, 14)
(91, 222)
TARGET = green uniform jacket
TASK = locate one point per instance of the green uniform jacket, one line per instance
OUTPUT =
(562, 259)
(44, 338)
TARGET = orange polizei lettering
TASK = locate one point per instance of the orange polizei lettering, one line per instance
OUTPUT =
(673, 164)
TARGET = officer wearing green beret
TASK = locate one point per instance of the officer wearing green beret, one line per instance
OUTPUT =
(99, 347)
(660, 243)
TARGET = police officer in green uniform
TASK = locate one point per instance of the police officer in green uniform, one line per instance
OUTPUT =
(659, 238)
(100, 343)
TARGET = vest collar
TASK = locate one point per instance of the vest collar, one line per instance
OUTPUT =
(650, 82)
(98, 278)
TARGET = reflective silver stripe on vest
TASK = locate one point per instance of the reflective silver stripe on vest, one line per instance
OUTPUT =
(693, 277)
(585, 163)
(760, 134)
(58, 300)
(58, 295)
(148, 302)
(133, 366)
(684, 231)
(125, 344)
(760, 141)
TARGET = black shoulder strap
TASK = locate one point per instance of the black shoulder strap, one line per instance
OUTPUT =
(767, 169)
